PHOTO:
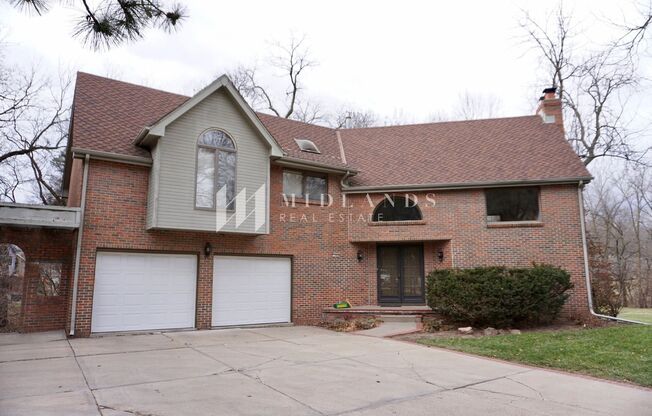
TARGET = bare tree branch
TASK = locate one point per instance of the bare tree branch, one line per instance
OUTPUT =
(34, 116)
(594, 88)
(245, 81)
(309, 112)
(476, 106)
(291, 61)
(348, 118)
(635, 34)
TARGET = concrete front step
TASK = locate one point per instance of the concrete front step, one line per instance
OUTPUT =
(400, 318)
(387, 314)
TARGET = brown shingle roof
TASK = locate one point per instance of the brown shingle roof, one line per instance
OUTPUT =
(109, 114)
(478, 151)
(285, 131)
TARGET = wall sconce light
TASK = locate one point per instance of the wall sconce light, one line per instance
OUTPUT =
(359, 256)
(440, 255)
(208, 249)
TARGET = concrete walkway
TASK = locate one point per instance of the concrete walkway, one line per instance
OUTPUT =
(285, 370)
(392, 326)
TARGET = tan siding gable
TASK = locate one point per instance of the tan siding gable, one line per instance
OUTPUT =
(176, 154)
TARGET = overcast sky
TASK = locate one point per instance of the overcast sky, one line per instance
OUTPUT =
(411, 59)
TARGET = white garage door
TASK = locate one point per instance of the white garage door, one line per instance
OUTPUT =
(251, 290)
(136, 291)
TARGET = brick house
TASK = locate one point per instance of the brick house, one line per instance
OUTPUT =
(197, 212)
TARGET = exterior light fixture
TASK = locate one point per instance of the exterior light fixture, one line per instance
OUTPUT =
(359, 256)
(208, 249)
(440, 255)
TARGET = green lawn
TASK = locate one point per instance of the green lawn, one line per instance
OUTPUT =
(621, 353)
(637, 314)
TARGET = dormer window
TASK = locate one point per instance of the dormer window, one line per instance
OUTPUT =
(307, 145)
(216, 157)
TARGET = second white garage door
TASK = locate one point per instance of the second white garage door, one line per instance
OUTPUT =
(140, 291)
(251, 290)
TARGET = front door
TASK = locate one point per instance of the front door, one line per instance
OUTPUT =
(400, 274)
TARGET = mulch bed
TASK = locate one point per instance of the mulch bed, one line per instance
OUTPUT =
(479, 332)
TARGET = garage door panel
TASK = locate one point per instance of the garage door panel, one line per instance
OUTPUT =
(140, 291)
(251, 290)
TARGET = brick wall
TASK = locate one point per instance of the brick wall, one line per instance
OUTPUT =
(325, 268)
(324, 242)
(458, 218)
(47, 246)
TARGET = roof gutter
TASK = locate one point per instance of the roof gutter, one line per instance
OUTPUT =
(310, 165)
(462, 185)
(585, 252)
(112, 157)
(346, 176)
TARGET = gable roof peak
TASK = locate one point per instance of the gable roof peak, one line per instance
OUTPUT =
(158, 128)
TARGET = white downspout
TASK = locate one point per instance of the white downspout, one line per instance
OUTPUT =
(587, 268)
(80, 231)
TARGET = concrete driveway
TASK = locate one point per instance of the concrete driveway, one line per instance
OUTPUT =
(282, 371)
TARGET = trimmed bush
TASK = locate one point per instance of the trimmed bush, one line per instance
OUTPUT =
(498, 296)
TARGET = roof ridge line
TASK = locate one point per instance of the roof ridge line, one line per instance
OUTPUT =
(441, 122)
(133, 84)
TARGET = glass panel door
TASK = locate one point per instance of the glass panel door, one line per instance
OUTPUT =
(400, 274)
(389, 289)
(412, 274)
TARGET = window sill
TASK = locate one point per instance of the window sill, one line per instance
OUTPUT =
(388, 223)
(514, 224)
(301, 202)
(228, 211)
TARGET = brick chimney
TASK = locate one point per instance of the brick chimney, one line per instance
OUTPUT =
(550, 107)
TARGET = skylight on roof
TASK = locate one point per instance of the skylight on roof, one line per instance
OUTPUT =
(307, 145)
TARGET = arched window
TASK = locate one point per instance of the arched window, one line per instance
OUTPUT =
(216, 157)
(397, 208)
